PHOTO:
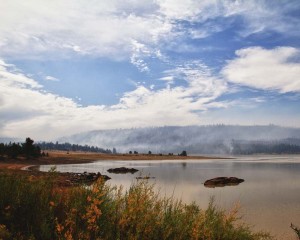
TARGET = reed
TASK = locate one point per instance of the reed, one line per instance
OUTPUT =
(38, 209)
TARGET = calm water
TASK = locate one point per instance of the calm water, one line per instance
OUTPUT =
(269, 197)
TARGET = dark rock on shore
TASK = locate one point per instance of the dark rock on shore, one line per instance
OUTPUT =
(223, 181)
(86, 178)
(122, 170)
(68, 178)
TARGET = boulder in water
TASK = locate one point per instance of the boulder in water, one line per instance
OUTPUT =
(222, 182)
(122, 170)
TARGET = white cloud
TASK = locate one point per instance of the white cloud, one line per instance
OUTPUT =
(134, 31)
(50, 78)
(28, 110)
(106, 29)
(192, 10)
(167, 78)
(112, 28)
(263, 16)
(140, 51)
(16, 77)
(258, 16)
(270, 69)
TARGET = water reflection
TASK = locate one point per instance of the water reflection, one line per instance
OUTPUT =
(269, 197)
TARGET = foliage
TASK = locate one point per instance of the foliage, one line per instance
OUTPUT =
(72, 147)
(27, 149)
(266, 147)
(37, 209)
(24, 207)
(183, 153)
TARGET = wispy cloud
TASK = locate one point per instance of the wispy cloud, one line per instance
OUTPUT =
(167, 78)
(264, 16)
(139, 52)
(258, 16)
(138, 32)
(10, 75)
(112, 29)
(99, 29)
(47, 114)
(50, 78)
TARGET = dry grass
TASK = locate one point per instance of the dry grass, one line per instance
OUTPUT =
(31, 209)
(101, 156)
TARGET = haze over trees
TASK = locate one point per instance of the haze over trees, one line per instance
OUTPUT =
(214, 139)
(285, 146)
(73, 147)
(211, 139)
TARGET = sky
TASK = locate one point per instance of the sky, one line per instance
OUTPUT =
(70, 66)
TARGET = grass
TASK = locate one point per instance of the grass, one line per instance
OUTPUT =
(38, 209)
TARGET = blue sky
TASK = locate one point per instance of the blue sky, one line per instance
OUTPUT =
(73, 66)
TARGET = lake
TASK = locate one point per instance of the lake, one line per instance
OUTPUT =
(269, 197)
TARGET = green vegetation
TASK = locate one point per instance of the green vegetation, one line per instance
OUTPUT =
(183, 153)
(287, 146)
(73, 147)
(30, 150)
(38, 209)
(26, 149)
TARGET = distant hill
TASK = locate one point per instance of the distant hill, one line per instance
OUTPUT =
(214, 139)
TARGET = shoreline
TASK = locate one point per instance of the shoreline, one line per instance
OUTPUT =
(64, 157)
(30, 167)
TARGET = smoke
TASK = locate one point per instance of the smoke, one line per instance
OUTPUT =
(213, 139)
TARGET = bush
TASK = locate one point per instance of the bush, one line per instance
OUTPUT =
(37, 209)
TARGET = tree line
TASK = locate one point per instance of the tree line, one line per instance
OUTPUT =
(256, 147)
(73, 147)
(27, 149)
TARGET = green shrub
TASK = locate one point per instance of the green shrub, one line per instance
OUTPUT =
(38, 209)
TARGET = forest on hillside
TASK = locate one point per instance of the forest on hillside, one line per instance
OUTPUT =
(73, 147)
(27, 149)
(211, 139)
(30, 149)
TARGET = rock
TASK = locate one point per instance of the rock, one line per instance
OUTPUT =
(105, 177)
(144, 178)
(223, 181)
(122, 170)
(86, 178)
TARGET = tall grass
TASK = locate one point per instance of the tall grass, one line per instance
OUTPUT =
(37, 209)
